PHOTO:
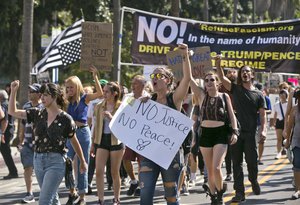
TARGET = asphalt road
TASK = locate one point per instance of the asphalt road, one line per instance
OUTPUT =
(275, 178)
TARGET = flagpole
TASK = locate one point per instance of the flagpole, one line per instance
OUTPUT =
(120, 44)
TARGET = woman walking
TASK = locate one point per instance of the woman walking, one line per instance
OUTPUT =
(107, 145)
(214, 135)
(77, 108)
(53, 127)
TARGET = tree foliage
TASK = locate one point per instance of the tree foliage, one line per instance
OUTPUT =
(64, 12)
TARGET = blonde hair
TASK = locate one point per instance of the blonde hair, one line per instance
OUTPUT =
(78, 86)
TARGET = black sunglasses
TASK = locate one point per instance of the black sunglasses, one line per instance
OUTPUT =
(211, 80)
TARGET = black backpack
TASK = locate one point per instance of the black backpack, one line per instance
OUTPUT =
(186, 145)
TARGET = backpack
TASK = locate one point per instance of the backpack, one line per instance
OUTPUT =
(186, 145)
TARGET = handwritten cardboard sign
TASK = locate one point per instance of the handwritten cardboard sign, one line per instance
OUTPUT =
(201, 61)
(96, 45)
(151, 129)
(174, 60)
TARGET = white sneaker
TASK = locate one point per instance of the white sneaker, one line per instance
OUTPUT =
(29, 198)
(191, 183)
(278, 156)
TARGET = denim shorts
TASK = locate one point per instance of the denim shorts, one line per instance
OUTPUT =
(27, 156)
(296, 160)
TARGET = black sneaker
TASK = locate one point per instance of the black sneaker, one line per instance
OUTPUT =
(238, 197)
(10, 176)
(72, 199)
(137, 192)
(132, 189)
(228, 178)
(90, 190)
(256, 188)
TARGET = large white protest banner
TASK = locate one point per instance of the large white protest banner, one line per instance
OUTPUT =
(151, 129)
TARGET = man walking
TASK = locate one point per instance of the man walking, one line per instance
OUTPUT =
(26, 141)
(245, 95)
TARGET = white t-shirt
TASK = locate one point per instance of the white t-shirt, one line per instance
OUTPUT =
(276, 108)
(90, 112)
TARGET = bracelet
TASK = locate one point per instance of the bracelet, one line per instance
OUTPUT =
(236, 132)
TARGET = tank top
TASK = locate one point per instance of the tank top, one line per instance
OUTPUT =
(296, 132)
(213, 108)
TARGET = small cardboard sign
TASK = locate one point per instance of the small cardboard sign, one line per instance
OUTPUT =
(201, 61)
(174, 60)
(96, 45)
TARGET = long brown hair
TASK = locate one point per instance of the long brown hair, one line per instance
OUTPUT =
(239, 77)
(56, 92)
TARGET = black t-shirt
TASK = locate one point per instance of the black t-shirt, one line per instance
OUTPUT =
(9, 131)
(52, 138)
(247, 104)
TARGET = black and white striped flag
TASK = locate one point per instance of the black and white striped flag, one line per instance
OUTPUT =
(63, 50)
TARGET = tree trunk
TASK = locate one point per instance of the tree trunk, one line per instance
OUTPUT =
(261, 7)
(175, 8)
(276, 9)
(26, 60)
(205, 10)
(234, 11)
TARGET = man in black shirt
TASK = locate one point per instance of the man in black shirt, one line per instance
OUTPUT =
(248, 102)
(6, 132)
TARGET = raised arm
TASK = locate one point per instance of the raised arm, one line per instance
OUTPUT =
(182, 89)
(99, 91)
(198, 92)
(225, 81)
(12, 108)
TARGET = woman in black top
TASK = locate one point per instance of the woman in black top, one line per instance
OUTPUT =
(214, 135)
(52, 127)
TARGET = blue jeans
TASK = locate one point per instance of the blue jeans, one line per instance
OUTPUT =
(148, 179)
(84, 138)
(296, 160)
(49, 170)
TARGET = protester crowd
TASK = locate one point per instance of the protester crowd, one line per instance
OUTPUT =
(73, 123)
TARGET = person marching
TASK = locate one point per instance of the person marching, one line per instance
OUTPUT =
(52, 128)
(245, 95)
(214, 134)
(162, 80)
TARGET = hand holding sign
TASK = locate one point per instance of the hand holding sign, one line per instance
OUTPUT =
(151, 129)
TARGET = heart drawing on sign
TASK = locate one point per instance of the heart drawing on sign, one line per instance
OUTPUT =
(142, 144)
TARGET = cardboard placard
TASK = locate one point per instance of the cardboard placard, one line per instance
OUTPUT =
(201, 61)
(96, 45)
(174, 60)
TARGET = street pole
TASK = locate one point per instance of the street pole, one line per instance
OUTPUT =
(116, 60)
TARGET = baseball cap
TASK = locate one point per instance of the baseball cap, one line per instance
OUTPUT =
(103, 82)
(35, 87)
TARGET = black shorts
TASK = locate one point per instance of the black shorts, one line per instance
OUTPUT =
(212, 136)
(279, 124)
(106, 144)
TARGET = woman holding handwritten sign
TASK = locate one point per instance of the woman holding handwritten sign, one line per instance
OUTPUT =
(162, 80)
(107, 145)
(215, 109)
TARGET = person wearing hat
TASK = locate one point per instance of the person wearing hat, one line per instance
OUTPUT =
(278, 119)
(26, 134)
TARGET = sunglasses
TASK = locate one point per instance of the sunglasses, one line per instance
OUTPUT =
(211, 80)
(157, 76)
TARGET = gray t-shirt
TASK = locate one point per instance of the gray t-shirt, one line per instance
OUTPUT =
(247, 104)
